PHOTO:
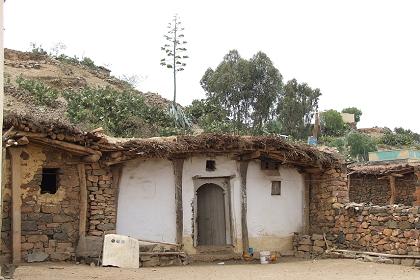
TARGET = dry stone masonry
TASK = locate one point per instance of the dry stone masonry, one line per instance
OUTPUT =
(368, 189)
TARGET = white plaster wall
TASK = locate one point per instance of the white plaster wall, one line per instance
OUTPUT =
(146, 201)
(196, 166)
(273, 219)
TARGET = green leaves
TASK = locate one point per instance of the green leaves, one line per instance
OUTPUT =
(120, 113)
(332, 123)
(43, 94)
(246, 89)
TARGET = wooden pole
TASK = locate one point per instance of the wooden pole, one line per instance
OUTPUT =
(306, 221)
(2, 179)
(243, 171)
(16, 204)
(393, 191)
(178, 165)
(83, 200)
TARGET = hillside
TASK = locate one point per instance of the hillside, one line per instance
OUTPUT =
(67, 75)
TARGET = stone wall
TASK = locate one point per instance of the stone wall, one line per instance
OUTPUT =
(384, 229)
(367, 188)
(328, 192)
(102, 201)
(49, 221)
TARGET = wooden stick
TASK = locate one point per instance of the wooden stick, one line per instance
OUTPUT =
(377, 254)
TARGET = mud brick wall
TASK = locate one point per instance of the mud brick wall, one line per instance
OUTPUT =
(367, 188)
(49, 221)
(328, 192)
(384, 229)
(102, 199)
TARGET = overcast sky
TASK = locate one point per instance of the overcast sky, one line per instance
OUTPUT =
(359, 53)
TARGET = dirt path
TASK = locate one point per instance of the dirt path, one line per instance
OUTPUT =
(289, 269)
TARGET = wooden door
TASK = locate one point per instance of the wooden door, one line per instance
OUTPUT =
(211, 221)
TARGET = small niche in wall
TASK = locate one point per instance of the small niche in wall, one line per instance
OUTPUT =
(49, 182)
(269, 165)
(275, 187)
(210, 165)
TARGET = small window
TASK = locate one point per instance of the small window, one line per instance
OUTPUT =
(210, 165)
(49, 183)
(276, 188)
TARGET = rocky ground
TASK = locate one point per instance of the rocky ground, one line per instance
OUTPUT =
(286, 269)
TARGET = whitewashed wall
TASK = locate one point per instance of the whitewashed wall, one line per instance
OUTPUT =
(272, 219)
(146, 202)
(196, 166)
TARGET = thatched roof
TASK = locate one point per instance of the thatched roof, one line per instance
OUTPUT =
(242, 147)
(115, 151)
(383, 167)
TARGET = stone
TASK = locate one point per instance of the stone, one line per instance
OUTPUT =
(392, 224)
(29, 225)
(405, 225)
(407, 262)
(60, 256)
(317, 236)
(105, 227)
(50, 209)
(37, 238)
(37, 256)
(319, 243)
(317, 250)
(417, 263)
(304, 248)
(62, 218)
(60, 236)
(27, 246)
(385, 260)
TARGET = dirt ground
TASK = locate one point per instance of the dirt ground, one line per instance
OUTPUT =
(286, 269)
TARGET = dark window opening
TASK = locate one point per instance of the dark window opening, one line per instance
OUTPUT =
(49, 183)
(269, 165)
(276, 188)
(210, 165)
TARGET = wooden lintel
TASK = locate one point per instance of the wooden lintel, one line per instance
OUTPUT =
(16, 204)
(248, 156)
(83, 200)
(74, 148)
(243, 170)
(178, 165)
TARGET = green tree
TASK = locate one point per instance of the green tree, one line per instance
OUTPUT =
(296, 108)
(332, 123)
(247, 90)
(360, 145)
(353, 110)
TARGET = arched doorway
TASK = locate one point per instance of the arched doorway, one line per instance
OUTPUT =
(211, 215)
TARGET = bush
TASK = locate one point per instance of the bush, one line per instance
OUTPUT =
(44, 95)
(115, 111)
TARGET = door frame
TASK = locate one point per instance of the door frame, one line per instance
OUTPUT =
(224, 183)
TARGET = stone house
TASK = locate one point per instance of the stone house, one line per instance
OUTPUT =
(205, 194)
(385, 182)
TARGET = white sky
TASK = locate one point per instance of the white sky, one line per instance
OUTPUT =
(359, 53)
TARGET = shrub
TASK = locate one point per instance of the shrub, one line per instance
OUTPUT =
(43, 94)
(115, 111)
